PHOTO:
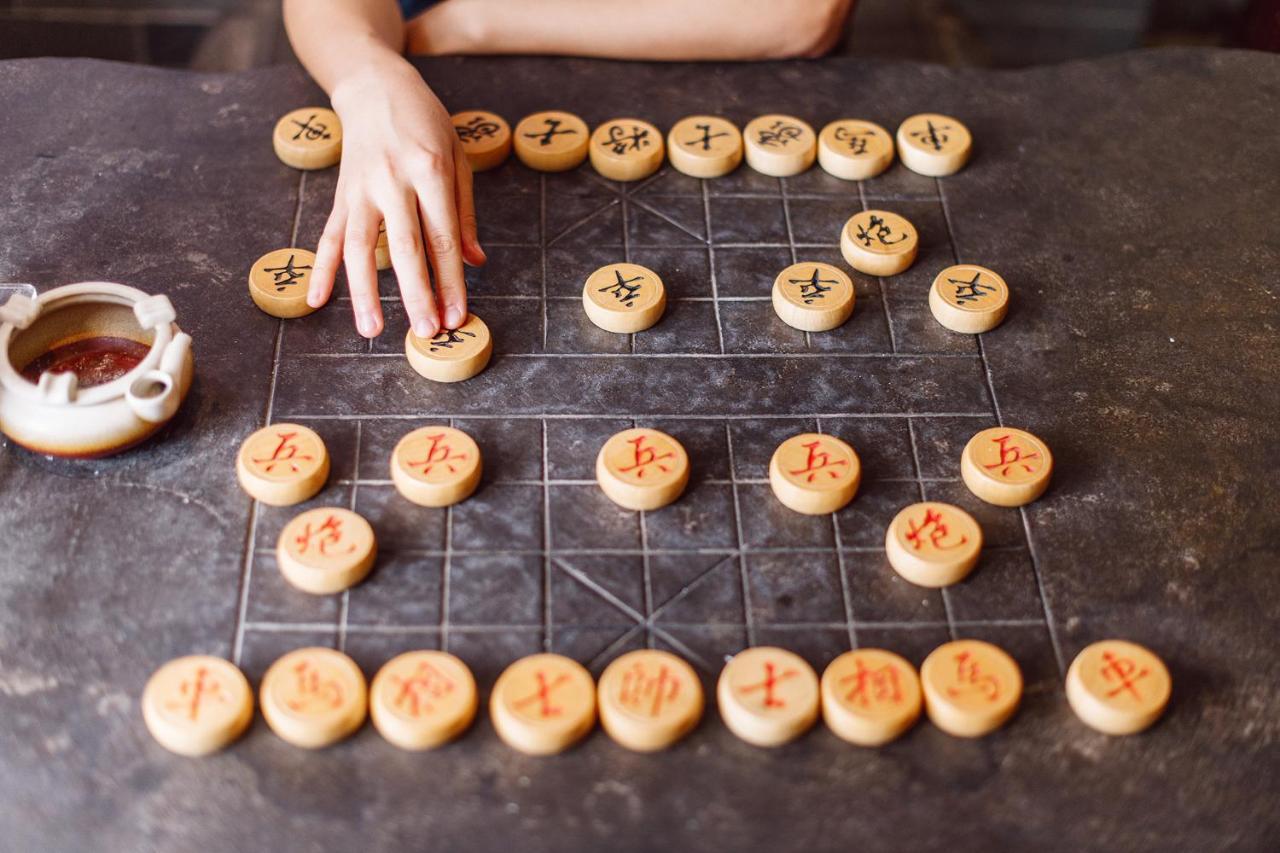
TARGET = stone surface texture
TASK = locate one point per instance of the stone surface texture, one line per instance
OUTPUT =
(1129, 203)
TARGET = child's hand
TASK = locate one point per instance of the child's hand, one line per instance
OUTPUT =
(402, 163)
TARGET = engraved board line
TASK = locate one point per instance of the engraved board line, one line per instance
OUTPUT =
(995, 406)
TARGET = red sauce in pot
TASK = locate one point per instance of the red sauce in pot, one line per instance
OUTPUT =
(94, 361)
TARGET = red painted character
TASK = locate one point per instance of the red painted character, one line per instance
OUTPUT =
(639, 688)
(327, 536)
(1011, 456)
(313, 690)
(286, 453)
(646, 456)
(417, 691)
(195, 691)
(438, 453)
(1125, 671)
(818, 461)
(880, 685)
(970, 678)
(543, 695)
(771, 680)
(939, 532)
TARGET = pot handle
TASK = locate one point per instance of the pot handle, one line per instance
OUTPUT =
(154, 395)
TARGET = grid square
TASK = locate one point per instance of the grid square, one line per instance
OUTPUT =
(685, 273)
(755, 440)
(573, 444)
(795, 588)
(702, 518)
(749, 271)
(273, 599)
(747, 220)
(865, 520)
(597, 589)
(404, 590)
(686, 327)
(705, 442)
(696, 588)
(398, 524)
(569, 330)
(766, 523)
(508, 271)
(666, 221)
(510, 448)
(499, 512)
(495, 589)
(1002, 586)
(879, 594)
(753, 327)
(583, 518)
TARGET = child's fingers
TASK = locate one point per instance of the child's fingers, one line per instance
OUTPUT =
(362, 274)
(471, 251)
(440, 224)
(404, 241)
(328, 256)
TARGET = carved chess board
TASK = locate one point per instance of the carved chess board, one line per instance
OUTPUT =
(539, 558)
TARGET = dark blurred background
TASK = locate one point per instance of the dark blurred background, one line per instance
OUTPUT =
(234, 34)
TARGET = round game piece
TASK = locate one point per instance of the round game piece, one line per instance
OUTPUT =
(642, 469)
(968, 298)
(813, 297)
(704, 146)
(551, 141)
(454, 354)
(326, 550)
(870, 696)
(779, 145)
(768, 696)
(543, 704)
(934, 145)
(313, 697)
(382, 250)
(970, 687)
(1006, 466)
(421, 700)
(854, 150)
(485, 138)
(649, 699)
(1118, 687)
(879, 243)
(436, 466)
(309, 138)
(814, 474)
(627, 149)
(278, 282)
(282, 465)
(196, 705)
(933, 544)
(624, 298)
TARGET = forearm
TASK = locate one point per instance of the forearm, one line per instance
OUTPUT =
(624, 29)
(338, 39)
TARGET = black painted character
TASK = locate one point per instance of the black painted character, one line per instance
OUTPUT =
(553, 129)
(811, 288)
(972, 290)
(477, 129)
(623, 290)
(779, 134)
(619, 142)
(934, 137)
(448, 339)
(877, 231)
(311, 130)
(705, 139)
(286, 275)
(856, 140)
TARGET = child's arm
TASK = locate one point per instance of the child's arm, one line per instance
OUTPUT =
(627, 29)
(401, 163)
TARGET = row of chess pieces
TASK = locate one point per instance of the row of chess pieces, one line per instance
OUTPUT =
(646, 700)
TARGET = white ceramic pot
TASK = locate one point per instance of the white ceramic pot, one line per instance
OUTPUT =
(55, 415)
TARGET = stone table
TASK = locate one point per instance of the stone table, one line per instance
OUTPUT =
(1129, 202)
